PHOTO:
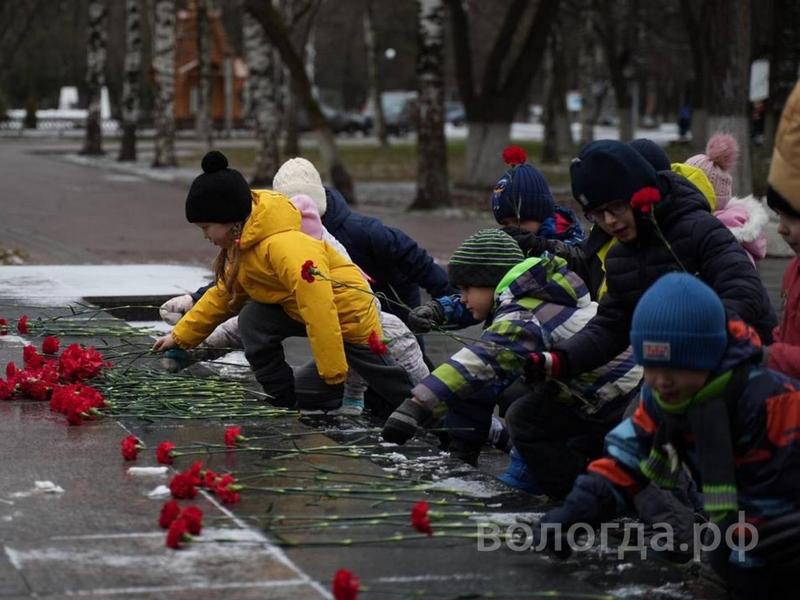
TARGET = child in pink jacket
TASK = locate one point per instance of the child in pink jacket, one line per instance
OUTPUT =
(745, 217)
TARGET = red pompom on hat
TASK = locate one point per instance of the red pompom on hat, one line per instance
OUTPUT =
(514, 155)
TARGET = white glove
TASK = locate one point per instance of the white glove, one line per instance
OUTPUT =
(173, 309)
(225, 336)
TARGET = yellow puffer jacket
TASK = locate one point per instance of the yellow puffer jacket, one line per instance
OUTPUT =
(273, 251)
(700, 180)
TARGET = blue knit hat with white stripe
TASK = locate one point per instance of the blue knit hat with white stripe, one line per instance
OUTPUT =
(483, 259)
(679, 323)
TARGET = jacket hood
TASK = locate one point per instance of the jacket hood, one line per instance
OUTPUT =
(337, 210)
(564, 226)
(744, 345)
(272, 213)
(544, 278)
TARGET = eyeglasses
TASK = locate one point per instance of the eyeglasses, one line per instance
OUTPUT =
(615, 209)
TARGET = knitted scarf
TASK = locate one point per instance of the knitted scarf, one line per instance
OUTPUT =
(705, 415)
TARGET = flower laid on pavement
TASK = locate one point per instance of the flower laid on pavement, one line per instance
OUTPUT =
(177, 534)
(50, 345)
(345, 585)
(165, 453)
(420, 519)
(233, 435)
(130, 447)
(169, 512)
(22, 324)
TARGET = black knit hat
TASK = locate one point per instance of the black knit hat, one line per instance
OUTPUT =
(483, 259)
(219, 194)
(652, 152)
(606, 171)
(780, 204)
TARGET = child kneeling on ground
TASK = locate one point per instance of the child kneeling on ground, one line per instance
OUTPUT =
(707, 405)
(525, 304)
(265, 258)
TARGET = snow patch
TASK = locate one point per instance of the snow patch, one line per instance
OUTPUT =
(476, 489)
(40, 487)
(147, 471)
(161, 491)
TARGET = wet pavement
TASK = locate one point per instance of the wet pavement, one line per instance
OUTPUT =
(99, 536)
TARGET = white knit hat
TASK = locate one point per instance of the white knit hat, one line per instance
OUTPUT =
(299, 176)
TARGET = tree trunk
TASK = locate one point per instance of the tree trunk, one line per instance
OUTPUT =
(203, 115)
(373, 79)
(697, 20)
(558, 135)
(485, 144)
(95, 76)
(508, 72)
(164, 72)
(784, 62)
(730, 82)
(433, 189)
(131, 83)
(276, 30)
(260, 57)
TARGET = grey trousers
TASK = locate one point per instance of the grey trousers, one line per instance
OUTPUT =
(263, 328)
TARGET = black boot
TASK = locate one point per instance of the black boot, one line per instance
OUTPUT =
(403, 423)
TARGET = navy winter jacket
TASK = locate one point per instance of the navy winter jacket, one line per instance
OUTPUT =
(394, 260)
(703, 245)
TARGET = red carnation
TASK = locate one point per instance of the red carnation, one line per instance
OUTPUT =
(645, 198)
(209, 479)
(31, 358)
(183, 486)
(11, 370)
(419, 518)
(233, 435)
(130, 447)
(376, 344)
(514, 155)
(164, 453)
(50, 345)
(22, 324)
(77, 363)
(227, 490)
(178, 532)
(3, 327)
(345, 585)
(307, 271)
(194, 519)
(169, 512)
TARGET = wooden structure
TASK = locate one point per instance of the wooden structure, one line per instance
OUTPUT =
(223, 65)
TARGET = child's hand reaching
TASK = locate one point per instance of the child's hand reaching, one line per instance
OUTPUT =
(165, 342)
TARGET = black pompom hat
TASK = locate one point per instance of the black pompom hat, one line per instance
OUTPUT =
(219, 194)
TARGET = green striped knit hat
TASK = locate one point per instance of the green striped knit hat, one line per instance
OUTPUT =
(483, 259)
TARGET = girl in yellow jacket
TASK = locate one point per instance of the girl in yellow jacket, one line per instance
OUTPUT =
(260, 275)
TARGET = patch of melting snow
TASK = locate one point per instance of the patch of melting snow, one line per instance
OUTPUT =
(161, 491)
(147, 471)
(673, 591)
(395, 457)
(508, 519)
(40, 487)
(476, 489)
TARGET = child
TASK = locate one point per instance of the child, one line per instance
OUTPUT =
(661, 223)
(525, 304)
(744, 217)
(783, 196)
(402, 345)
(707, 404)
(523, 204)
(264, 257)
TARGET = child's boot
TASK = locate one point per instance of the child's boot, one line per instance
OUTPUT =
(518, 476)
(403, 423)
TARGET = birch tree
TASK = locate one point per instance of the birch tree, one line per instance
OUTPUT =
(131, 83)
(432, 182)
(264, 107)
(729, 90)
(164, 72)
(203, 115)
(95, 77)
